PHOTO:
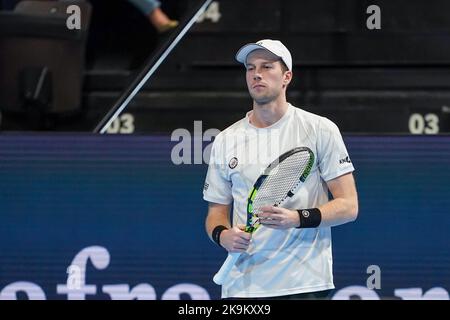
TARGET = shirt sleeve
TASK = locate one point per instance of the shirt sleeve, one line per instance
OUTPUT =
(333, 158)
(217, 187)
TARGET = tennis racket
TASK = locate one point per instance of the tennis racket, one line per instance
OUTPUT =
(278, 182)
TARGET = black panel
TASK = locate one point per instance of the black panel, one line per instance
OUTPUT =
(365, 80)
(243, 16)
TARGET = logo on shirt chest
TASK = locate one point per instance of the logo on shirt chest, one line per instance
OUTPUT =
(233, 163)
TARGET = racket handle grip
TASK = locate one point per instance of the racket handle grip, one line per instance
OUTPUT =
(226, 267)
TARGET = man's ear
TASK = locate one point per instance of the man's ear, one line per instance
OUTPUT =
(287, 78)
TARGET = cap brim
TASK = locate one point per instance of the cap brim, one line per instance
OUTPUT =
(242, 54)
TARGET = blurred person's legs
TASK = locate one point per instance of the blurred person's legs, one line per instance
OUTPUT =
(156, 16)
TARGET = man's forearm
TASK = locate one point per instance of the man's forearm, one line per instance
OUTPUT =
(338, 211)
(217, 215)
(213, 221)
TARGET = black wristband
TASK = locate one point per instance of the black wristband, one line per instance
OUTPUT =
(309, 218)
(216, 234)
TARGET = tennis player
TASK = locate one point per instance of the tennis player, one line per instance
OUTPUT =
(289, 256)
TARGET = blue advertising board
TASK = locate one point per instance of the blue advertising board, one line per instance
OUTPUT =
(113, 217)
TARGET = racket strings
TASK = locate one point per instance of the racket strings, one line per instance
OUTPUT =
(280, 180)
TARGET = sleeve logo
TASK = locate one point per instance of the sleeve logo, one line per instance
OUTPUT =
(345, 160)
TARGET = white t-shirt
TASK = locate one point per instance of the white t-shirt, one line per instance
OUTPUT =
(277, 262)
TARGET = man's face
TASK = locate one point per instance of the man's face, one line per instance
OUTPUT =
(266, 79)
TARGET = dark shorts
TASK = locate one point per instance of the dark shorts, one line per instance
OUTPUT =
(317, 295)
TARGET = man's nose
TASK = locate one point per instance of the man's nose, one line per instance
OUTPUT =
(256, 76)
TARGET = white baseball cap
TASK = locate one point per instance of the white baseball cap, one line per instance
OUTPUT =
(274, 46)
